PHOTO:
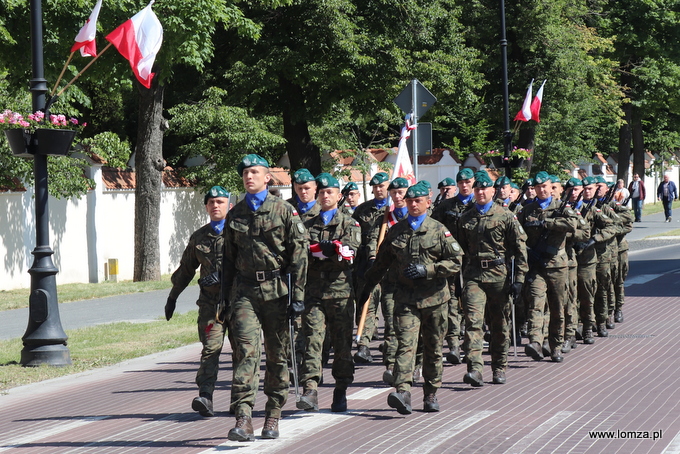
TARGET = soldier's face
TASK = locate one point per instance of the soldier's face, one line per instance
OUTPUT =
(589, 191)
(514, 193)
(602, 189)
(397, 196)
(418, 206)
(576, 190)
(544, 190)
(380, 190)
(256, 178)
(465, 186)
(447, 192)
(505, 191)
(353, 198)
(329, 198)
(530, 193)
(484, 195)
(217, 208)
(557, 190)
(306, 192)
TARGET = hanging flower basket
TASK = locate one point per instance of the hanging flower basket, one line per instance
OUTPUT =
(516, 162)
(496, 161)
(55, 142)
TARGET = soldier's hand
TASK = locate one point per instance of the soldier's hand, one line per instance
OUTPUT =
(515, 289)
(536, 223)
(415, 271)
(296, 309)
(170, 307)
(327, 248)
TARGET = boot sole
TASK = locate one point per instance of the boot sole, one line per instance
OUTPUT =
(202, 409)
(269, 434)
(471, 381)
(401, 406)
(304, 404)
(240, 435)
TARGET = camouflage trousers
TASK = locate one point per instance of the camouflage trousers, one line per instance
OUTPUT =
(587, 285)
(611, 292)
(549, 285)
(490, 300)
(603, 274)
(371, 323)
(211, 334)
(455, 314)
(410, 324)
(250, 317)
(571, 309)
(619, 292)
(389, 348)
(335, 317)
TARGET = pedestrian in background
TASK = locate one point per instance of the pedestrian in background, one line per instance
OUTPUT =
(636, 188)
(666, 193)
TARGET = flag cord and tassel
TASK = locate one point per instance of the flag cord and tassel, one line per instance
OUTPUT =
(83, 70)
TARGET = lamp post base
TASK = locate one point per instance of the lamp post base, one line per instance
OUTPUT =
(51, 355)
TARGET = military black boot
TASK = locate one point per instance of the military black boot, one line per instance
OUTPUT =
(602, 330)
(453, 356)
(308, 401)
(203, 404)
(339, 404)
(534, 350)
(271, 428)
(401, 401)
(388, 376)
(363, 356)
(243, 430)
(588, 336)
(474, 378)
(618, 316)
(430, 403)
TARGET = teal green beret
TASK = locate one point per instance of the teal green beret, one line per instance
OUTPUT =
(251, 160)
(417, 190)
(501, 181)
(446, 182)
(426, 183)
(302, 176)
(587, 181)
(482, 180)
(379, 178)
(529, 183)
(542, 177)
(514, 186)
(571, 182)
(465, 174)
(610, 184)
(214, 192)
(351, 186)
(326, 180)
(398, 183)
(600, 179)
(555, 179)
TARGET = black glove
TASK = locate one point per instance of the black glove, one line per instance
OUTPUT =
(535, 223)
(296, 309)
(327, 248)
(170, 307)
(515, 289)
(415, 271)
(590, 243)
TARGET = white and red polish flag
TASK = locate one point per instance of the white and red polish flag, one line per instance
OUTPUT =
(85, 37)
(139, 40)
(536, 104)
(525, 113)
(403, 167)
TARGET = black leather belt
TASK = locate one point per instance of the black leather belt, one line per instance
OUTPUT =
(491, 263)
(267, 275)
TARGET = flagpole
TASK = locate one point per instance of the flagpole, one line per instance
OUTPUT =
(63, 70)
(84, 69)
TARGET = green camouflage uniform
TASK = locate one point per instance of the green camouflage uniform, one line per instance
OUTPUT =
(490, 240)
(547, 280)
(329, 303)
(626, 226)
(204, 250)
(421, 304)
(607, 256)
(307, 215)
(258, 246)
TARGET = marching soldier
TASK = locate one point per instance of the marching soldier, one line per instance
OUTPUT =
(447, 190)
(334, 239)
(547, 223)
(205, 251)
(304, 199)
(490, 237)
(626, 226)
(575, 188)
(351, 197)
(504, 190)
(425, 254)
(264, 241)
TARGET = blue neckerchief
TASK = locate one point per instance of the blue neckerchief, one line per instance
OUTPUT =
(416, 221)
(255, 201)
(544, 203)
(304, 207)
(400, 213)
(602, 199)
(507, 201)
(579, 204)
(380, 203)
(482, 209)
(465, 200)
(217, 226)
(327, 216)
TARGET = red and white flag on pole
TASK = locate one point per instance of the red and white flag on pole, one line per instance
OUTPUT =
(403, 167)
(139, 40)
(536, 104)
(525, 113)
(85, 38)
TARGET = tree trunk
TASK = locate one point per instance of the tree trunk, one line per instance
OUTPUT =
(638, 144)
(301, 150)
(149, 166)
(624, 142)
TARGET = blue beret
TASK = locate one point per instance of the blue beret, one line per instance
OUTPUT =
(251, 160)
(351, 186)
(446, 182)
(379, 178)
(542, 177)
(214, 192)
(482, 180)
(571, 182)
(501, 181)
(417, 190)
(326, 180)
(398, 183)
(302, 176)
(465, 174)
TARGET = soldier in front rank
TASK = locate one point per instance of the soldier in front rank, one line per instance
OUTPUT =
(304, 199)
(424, 254)
(504, 191)
(265, 267)
(493, 242)
(574, 186)
(625, 227)
(366, 215)
(350, 198)
(448, 213)
(547, 223)
(334, 239)
(205, 251)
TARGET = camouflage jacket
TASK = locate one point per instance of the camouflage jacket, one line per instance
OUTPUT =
(346, 208)
(490, 240)
(627, 218)
(330, 278)
(431, 245)
(546, 243)
(314, 211)
(204, 250)
(607, 249)
(449, 212)
(259, 242)
(597, 225)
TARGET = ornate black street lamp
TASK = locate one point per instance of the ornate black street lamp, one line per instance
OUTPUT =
(44, 339)
(507, 133)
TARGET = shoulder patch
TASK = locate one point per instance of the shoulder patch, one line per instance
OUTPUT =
(356, 224)
(295, 213)
(300, 227)
(447, 234)
(456, 247)
(582, 221)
